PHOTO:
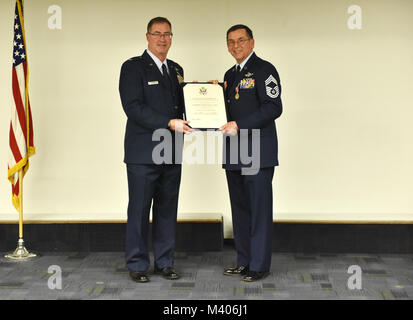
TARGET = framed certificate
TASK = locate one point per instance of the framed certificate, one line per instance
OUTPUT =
(204, 105)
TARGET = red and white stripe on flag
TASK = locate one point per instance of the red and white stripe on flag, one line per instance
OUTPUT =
(21, 124)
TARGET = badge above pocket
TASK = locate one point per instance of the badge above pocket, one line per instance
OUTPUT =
(247, 83)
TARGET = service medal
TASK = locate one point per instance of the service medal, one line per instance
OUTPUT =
(178, 75)
(180, 79)
(236, 94)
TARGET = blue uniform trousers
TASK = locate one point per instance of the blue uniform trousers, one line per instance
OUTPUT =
(252, 217)
(160, 184)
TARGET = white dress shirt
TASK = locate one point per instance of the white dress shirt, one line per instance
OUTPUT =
(158, 62)
(242, 64)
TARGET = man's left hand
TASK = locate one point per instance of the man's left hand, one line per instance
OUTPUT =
(230, 128)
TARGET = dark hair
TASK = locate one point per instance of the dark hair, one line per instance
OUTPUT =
(157, 20)
(240, 26)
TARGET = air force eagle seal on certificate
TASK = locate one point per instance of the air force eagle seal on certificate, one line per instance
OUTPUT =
(273, 91)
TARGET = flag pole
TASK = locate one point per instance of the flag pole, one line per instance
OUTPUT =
(21, 253)
(21, 204)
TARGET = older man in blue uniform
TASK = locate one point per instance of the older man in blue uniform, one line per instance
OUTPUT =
(253, 96)
(152, 99)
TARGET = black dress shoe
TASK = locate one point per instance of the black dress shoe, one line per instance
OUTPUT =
(168, 273)
(139, 276)
(255, 276)
(236, 271)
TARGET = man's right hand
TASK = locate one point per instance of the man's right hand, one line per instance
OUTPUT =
(180, 125)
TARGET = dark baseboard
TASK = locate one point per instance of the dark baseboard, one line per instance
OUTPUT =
(95, 237)
(342, 238)
(208, 236)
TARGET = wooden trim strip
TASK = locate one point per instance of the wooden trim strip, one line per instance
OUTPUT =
(103, 221)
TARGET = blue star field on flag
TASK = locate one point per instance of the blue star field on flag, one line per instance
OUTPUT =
(19, 51)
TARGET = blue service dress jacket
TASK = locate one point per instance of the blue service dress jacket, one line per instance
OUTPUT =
(253, 100)
(149, 102)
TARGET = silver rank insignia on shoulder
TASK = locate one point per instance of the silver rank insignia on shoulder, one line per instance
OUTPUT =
(272, 92)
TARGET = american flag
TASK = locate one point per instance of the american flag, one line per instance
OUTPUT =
(21, 125)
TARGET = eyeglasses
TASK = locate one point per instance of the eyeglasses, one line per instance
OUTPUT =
(239, 42)
(161, 35)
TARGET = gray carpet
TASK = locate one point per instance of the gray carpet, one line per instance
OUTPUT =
(102, 275)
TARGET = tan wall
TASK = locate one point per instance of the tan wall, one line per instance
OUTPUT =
(345, 136)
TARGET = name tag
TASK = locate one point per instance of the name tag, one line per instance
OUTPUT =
(151, 83)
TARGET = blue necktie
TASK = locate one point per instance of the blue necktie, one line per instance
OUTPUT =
(166, 76)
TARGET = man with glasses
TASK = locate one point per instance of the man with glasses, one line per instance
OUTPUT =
(253, 96)
(152, 99)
